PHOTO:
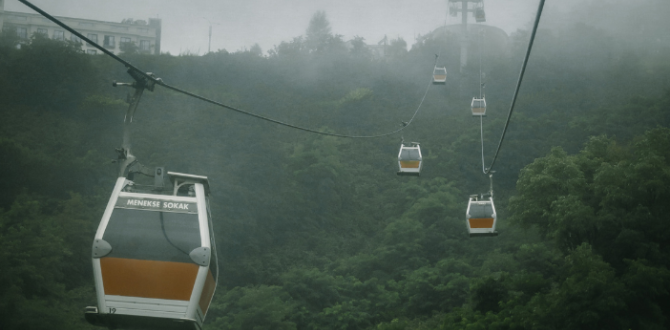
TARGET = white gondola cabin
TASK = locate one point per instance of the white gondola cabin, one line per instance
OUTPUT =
(154, 257)
(480, 15)
(481, 217)
(410, 160)
(478, 106)
(440, 75)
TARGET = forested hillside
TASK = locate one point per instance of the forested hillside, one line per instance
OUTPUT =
(317, 232)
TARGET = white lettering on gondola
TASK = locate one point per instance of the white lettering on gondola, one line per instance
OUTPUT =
(145, 203)
(157, 205)
(170, 205)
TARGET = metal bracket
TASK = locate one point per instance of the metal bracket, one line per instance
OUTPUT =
(491, 183)
(201, 256)
(101, 248)
(127, 162)
(140, 80)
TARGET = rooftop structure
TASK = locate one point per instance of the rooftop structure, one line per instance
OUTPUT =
(142, 35)
(493, 40)
(464, 7)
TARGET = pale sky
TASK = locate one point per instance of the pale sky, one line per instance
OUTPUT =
(238, 24)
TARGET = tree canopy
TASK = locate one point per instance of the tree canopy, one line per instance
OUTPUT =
(317, 232)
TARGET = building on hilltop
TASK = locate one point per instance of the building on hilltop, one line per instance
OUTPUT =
(493, 40)
(145, 36)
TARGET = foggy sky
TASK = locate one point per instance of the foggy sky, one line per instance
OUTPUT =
(239, 24)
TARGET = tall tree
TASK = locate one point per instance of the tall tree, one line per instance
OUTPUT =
(318, 32)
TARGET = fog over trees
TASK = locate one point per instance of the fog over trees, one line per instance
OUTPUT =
(317, 232)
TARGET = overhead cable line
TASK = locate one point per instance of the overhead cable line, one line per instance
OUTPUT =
(481, 118)
(481, 134)
(518, 84)
(479, 37)
(160, 82)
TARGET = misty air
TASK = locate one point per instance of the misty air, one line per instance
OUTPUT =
(311, 165)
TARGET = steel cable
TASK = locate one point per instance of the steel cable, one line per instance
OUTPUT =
(518, 85)
(160, 82)
(481, 118)
(481, 132)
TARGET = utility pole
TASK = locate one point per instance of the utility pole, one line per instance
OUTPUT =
(209, 44)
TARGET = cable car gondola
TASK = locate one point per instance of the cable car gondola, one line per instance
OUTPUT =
(410, 160)
(154, 256)
(480, 15)
(481, 217)
(440, 75)
(478, 106)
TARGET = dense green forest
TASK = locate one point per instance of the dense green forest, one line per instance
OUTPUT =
(317, 232)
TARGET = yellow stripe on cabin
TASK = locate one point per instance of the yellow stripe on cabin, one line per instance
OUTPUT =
(410, 163)
(481, 223)
(148, 278)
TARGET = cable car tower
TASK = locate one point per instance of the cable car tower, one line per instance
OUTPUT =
(463, 7)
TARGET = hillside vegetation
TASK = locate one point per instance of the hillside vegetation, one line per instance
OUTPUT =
(317, 232)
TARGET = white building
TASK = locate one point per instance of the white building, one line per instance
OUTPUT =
(145, 36)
